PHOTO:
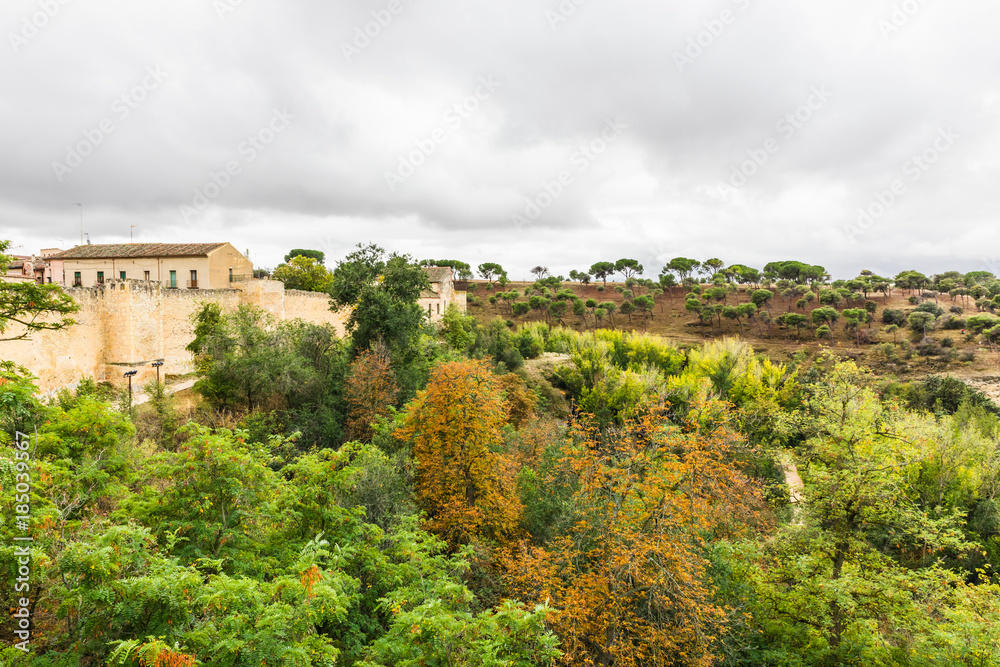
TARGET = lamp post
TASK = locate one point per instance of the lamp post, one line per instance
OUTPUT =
(156, 365)
(130, 375)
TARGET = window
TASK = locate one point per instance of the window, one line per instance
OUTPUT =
(121, 274)
(145, 275)
(173, 280)
(77, 279)
(100, 277)
(230, 275)
(193, 284)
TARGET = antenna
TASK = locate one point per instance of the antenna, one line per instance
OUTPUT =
(131, 227)
(88, 238)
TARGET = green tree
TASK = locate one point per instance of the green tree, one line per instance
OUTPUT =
(833, 579)
(317, 255)
(601, 271)
(921, 321)
(462, 270)
(304, 273)
(628, 268)
(382, 292)
(761, 298)
(681, 267)
(490, 270)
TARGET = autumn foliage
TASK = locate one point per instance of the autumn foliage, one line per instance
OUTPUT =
(369, 391)
(463, 481)
(629, 582)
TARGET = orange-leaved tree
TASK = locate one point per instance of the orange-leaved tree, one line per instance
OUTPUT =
(629, 580)
(369, 390)
(463, 481)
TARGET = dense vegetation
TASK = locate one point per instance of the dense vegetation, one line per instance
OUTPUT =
(477, 494)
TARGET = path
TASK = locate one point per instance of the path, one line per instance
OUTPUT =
(795, 486)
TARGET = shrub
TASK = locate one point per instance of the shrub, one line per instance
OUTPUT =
(968, 355)
(953, 322)
(892, 316)
(929, 348)
(930, 307)
(947, 341)
(957, 310)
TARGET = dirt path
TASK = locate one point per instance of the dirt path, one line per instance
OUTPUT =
(795, 486)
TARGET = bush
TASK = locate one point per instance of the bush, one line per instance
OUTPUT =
(929, 348)
(930, 307)
(496, 340)
(947, 341)
(891, 316)
(600, 288)
(953, 322)
(529, 343)
(957, 310)
(968, 355)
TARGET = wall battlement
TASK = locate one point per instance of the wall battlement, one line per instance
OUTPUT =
(126, 325)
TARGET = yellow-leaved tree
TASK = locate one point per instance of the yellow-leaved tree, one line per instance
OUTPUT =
(464, 481)
(629, 581)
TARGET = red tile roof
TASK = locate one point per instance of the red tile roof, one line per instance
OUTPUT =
(137, 250)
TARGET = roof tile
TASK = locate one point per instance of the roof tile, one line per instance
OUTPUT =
(136, 250)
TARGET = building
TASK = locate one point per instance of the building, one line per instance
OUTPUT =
(171, 265)
(444, 291)
(26, 268)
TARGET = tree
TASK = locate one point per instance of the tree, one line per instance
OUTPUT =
(304, 273)
(921, 321)
(681, 267)
(628, 268)
(463, 484)
(370, 391)
(602, 270)
(645, 305)
(462, 270)
(317, 255)
(628, 579)
(825, 316)
(761, 298)
(610, 307)
(796, 320)
(490, 270)
(713, 265)
(382, 293)
(540, 272)
(853, 319)
(32, 306)
(833, 581)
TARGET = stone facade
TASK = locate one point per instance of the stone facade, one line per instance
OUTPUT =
(126, 325)
(173, 265)
(442, 293)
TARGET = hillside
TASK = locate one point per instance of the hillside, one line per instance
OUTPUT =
(905, 354)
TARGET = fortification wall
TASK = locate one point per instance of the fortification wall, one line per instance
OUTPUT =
(126, 325)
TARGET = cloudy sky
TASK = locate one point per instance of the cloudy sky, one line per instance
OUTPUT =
(857, 134)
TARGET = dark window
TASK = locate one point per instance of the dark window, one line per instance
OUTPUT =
(77, 280)
(100, 277)
(121, 274)
(145, 275)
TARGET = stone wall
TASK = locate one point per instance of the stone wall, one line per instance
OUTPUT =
(126, 325)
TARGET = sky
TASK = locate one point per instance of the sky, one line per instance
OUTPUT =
(855, 135)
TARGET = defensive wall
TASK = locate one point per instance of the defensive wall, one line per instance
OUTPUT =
(127, 325)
